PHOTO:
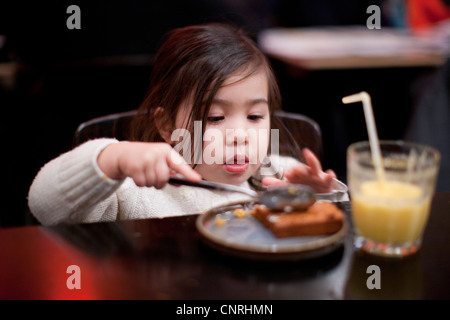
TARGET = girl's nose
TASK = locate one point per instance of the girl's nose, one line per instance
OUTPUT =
(237, 136)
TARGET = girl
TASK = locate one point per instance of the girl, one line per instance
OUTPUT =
(210, 77)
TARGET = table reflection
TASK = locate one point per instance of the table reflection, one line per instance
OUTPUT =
(398, 278)
(161, 266)
(168, 259)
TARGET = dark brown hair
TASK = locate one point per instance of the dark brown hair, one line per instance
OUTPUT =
(191, 65)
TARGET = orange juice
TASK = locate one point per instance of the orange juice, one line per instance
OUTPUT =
(390, 211)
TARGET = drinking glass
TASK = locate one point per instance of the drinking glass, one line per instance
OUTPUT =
(390, 209)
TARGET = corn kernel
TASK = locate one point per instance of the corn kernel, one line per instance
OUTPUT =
(240, 213)
(220, 221)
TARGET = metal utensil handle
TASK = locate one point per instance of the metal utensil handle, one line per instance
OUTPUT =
(186, 182)
(213, 186)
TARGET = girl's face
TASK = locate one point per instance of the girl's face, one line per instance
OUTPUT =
(237, 130)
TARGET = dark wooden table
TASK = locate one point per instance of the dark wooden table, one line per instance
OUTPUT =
(167, 259)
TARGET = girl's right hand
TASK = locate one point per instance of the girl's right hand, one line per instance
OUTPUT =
(148, 164)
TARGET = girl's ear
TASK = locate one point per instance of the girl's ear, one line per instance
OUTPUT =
(162, 124)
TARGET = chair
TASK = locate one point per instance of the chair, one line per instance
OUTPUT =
(116, 125)
(296, 131)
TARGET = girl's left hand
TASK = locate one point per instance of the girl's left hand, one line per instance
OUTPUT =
(311, 175)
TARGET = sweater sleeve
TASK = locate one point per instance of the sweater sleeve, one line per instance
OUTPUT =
(72, 188)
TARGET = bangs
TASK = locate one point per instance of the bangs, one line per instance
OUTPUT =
(192, 65)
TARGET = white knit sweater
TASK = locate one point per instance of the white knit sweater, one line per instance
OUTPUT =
(72, 188)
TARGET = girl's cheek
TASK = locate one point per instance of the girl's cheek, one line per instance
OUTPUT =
(213, 146)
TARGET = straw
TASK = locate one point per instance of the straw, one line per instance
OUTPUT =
(411, 163)
(364, 97)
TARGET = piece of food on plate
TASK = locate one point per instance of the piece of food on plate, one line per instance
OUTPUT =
(240, 213)
(321, 218)
(220, 221)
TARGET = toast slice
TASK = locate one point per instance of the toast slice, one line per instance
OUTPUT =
(319, 219)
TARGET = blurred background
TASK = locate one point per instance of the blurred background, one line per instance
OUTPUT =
(53, 78)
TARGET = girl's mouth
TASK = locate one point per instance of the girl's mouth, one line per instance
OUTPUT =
(237, 164)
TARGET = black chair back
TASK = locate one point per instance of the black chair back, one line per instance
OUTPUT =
(296, 131)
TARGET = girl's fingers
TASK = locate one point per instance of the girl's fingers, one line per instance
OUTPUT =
(268, 181)
(312, 161)
(150, 176)
(331, 174)
(299, 170)
(140, 179)
(162, 173)
(309, 174)
(302, 174)
(177, 163)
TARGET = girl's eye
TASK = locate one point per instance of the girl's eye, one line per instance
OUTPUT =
(255, 117)
(215, 119)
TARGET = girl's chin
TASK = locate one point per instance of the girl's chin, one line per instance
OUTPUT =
(233, 179)
(230, 174)
(236, 177)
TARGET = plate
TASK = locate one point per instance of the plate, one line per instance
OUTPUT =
(246, 237)
(339, 192)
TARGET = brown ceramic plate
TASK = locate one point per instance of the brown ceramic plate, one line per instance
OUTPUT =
(246, 237)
